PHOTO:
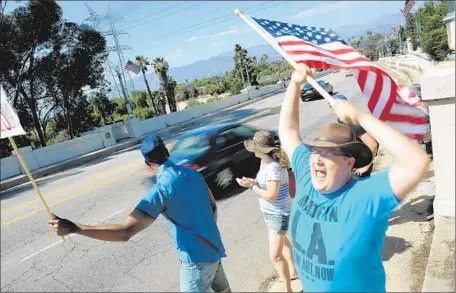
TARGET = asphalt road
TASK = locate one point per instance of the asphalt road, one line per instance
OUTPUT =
(106, 190)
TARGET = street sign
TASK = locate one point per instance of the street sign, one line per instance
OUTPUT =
(10, 124)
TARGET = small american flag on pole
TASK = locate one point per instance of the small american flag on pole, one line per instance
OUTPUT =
(321, 48)
(407, 7)
(132, 67)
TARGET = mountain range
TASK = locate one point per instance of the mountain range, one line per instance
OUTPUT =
(224, 62)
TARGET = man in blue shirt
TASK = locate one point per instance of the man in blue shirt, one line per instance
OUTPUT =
(338, 223)
(183, 198)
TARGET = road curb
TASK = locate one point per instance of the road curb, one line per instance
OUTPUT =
(71, 163)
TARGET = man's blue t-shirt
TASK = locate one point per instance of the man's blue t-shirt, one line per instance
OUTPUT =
(181, 195)
(337, 238)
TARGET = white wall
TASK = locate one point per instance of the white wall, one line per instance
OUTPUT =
(120, 131)
(9, 167)
(438, 90)
(68, 149)
(49, 155)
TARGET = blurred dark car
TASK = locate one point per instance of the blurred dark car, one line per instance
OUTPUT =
(218, 153)
(308, 93)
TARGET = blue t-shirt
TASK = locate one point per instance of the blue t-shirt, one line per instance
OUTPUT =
(337, 238)
(181, 195)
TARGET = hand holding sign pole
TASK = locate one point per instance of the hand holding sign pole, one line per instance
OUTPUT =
(271, 42)
(11, 126)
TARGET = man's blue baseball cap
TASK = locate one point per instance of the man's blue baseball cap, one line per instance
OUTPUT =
(151, 143)
(340, 97)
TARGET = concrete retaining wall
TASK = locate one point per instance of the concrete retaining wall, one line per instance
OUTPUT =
(120, 131)
(49, 155)
(438, 90)
(9, 167)
(68, 149)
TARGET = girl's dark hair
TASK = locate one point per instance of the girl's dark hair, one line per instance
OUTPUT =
(158, 156)
(280, 157)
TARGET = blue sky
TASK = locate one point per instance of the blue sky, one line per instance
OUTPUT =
(159, 28)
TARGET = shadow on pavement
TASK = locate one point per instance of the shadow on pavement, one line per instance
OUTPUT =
(394, 245)
(416, 210)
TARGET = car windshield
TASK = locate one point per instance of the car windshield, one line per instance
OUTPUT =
(191, 145)
(322, 82)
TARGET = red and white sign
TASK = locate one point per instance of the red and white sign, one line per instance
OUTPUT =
(10, 124)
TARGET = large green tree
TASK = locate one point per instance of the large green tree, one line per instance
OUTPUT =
(26, 33)
(433, 36)
(45, 63)
(103, 108)
(78, 65)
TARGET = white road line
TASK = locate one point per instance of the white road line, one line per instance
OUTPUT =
(110, 216)
(60, 241)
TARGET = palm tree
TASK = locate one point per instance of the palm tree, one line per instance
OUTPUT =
(142, 63)
(161, 69)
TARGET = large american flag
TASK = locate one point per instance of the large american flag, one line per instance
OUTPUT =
(407, 7)
(321, 48)
(132, 67)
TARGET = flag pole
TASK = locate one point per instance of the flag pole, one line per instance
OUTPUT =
(276, 46)
(27, 171)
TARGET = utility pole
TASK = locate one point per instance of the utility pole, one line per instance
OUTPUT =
(127, 104)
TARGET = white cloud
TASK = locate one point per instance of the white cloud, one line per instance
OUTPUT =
(234, 30)
(176, 55)
(196, 38)
(324, 8)
(216, 44)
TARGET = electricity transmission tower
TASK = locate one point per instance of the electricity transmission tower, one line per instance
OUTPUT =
(95, 19)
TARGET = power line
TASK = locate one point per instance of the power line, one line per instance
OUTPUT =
(198, 26)
(309, 7)
(221, 19)
(169, 14)
(155, 13)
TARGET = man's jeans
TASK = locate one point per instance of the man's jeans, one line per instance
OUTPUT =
(203, 277)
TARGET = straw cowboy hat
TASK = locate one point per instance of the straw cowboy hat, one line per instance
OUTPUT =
(341, 137)
(262, 142)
